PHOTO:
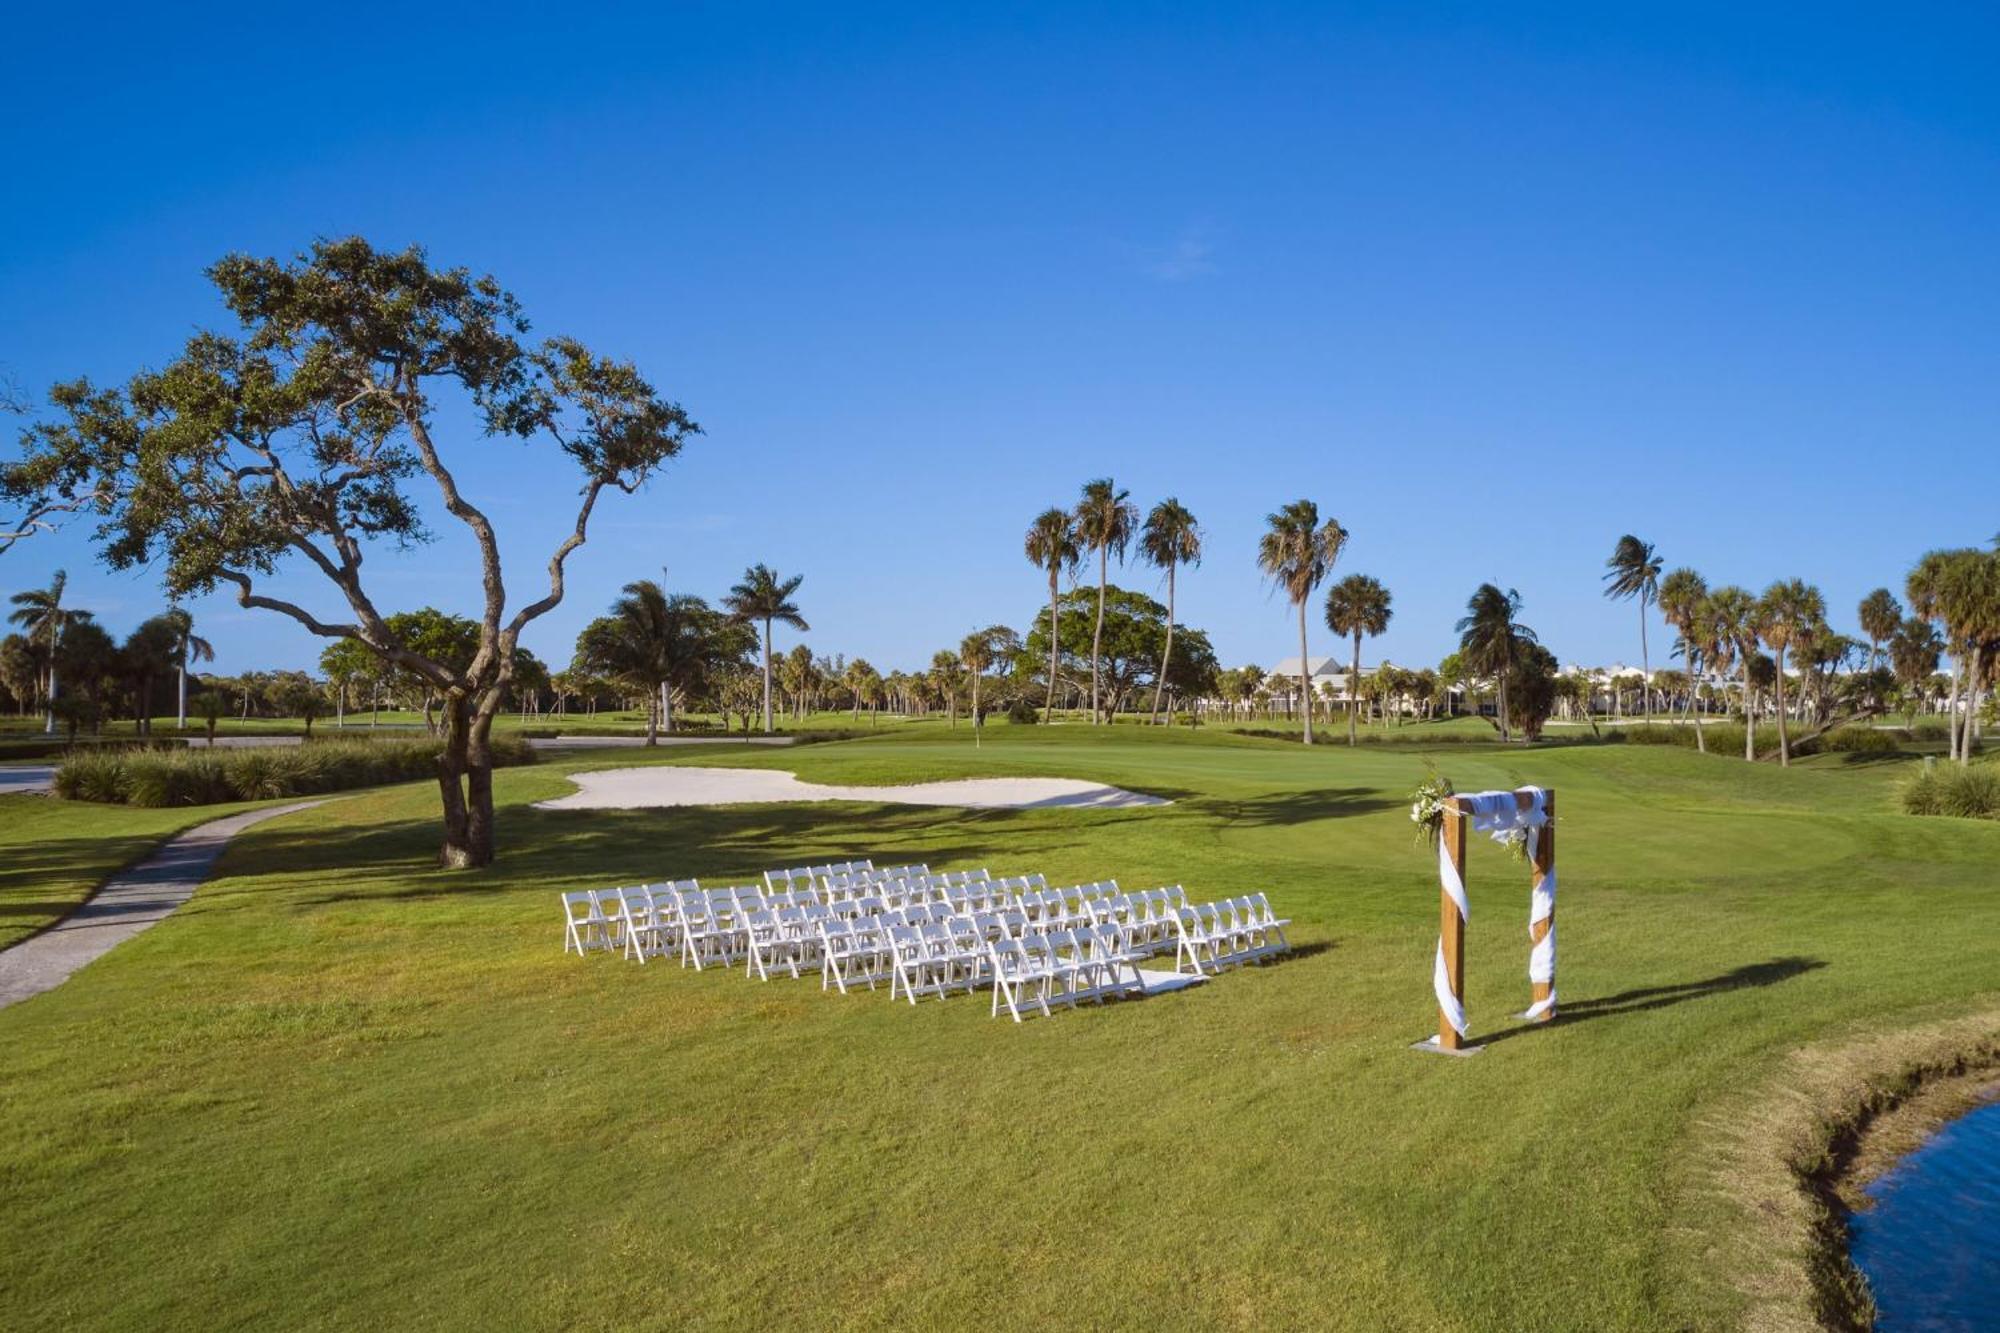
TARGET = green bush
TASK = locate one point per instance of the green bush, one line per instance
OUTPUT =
(206, 777)
(1023, 714)
(1968, 792)
(1863, 740)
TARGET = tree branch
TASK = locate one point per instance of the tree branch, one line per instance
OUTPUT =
(562, 554)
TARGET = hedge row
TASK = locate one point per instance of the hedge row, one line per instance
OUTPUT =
(207, 777)
(1727, 738)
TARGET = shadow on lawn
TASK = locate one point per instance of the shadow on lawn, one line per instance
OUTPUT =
(1302, 807)
(723, 845)
(1767, 973)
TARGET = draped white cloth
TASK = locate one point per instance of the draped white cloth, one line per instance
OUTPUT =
(1501, 815)
(1449, 1004)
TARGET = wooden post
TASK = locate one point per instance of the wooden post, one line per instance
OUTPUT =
(1451, 927)
(1545, 867)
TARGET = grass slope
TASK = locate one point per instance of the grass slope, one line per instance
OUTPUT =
(340, 1089)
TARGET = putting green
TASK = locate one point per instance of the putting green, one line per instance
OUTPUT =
(340, 1088)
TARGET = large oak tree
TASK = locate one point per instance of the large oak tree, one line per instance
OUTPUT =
(297, 441)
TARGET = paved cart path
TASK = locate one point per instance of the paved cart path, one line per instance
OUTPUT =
(140, 897)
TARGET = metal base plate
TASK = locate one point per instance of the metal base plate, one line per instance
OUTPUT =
(1429, 1045)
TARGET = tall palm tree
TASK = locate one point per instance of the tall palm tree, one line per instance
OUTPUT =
(1881, 617)
(1356, 605)
(1968, 601)
(763, 596)
(42, 616)
(1051, 544)
(1491, 641)
(1924, 587)
(976, 652)
(1297, 552)
(188, 647)
(1734, 613)
(1105, 521)
(1682, 594)
(1634, 571)
(1171, 539)
(1789, 610)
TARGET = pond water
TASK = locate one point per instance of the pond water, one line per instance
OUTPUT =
(1930, 1246)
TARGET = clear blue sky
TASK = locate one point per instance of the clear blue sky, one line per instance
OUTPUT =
(1493, 285)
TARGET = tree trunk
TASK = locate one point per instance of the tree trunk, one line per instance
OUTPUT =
(1305, 676)
(1166, 656)
(1784, 743)
(975, 710)
(181, 710)
(1950, 706)
(1972, 679)
(667, 707)
(1749, 713)
(653, 717)
(1055, 645)
(1097, 635)
(767, 675)
(1694, 714)
(1353, 687)
(1645, 664)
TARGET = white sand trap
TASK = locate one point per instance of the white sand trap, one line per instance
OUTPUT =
(647, 788)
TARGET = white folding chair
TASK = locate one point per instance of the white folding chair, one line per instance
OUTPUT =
(584, 924)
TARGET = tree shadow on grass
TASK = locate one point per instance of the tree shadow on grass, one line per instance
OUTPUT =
(1302, 807)
(718, 844)
(1767, 973)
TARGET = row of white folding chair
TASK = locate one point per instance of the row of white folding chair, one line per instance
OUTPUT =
(860, 879)
(1212, 936)
(597, 919)
(813, 874)
(1071, 903)
(1061, 967)
(1148, 914)
(938, 947)
(787, 937)
(709, 924)
(934, 883)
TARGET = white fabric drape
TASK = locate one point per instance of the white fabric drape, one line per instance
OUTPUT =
(1454, 886)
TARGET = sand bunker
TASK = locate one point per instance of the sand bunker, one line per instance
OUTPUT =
(646, 788)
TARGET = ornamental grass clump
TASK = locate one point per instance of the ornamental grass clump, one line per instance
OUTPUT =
(1969, 792)
(207, 777)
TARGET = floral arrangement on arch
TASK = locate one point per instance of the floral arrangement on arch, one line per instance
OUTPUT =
(1427, 805)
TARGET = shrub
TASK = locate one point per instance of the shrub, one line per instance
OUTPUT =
(1862, 740)
(1022, 713)
(1971, 792)
(183, 777)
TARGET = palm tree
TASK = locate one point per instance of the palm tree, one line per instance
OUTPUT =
(1789, 610)
(1881, 616)
(1105, 519)
(1634, 571)
(1297, 553)
(1491, 641)
(976, 652)
(654, 642)
(1171, 539)
(188, 647)
(41, 615)
(1051, 544)
(1682, 594)
(1734, 614)
(763, 596)
(1968, 601)
(1356, 605)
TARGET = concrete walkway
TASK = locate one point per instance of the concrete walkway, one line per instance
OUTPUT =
(142, 896)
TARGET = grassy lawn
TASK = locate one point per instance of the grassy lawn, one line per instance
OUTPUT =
(53, 854)
(341, 1089)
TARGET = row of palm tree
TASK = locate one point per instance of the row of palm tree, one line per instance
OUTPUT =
(1954, 602)
(1105, 522)
(46, 619)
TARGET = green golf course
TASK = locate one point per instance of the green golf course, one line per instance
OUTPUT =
(344, 1085)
